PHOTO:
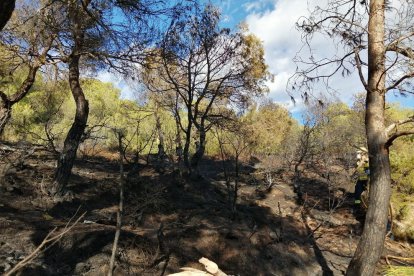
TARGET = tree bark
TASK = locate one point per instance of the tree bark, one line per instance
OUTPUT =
(186, 154)
(158, 126)
(195, 160)
(236, 188)
(5, 114)
(68, 154)
(371, 244)
(178, 143)
(6, 10)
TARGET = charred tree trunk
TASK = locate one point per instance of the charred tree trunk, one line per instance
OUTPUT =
(236, 188)
(161, 149)
(372, 240)
(6, 10)
(201, 146)
(68, 154)
(5, 115)
(178, 143)
(186, 151)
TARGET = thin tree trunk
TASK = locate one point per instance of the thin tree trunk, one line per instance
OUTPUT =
(371, 244)
(226, 175)
(236, 187)
(186, 154)
(121, 206)
(161, 149)
(179, 146)
(5, 115)
(6, 10)
(71, 144)
(195, 160)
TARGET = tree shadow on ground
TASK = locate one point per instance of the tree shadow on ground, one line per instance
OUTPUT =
(320, 195)
(197, 221)
(255, 242)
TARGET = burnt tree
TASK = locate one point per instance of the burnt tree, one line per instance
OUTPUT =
(386, 51)
(25, 53)
(207, 67)
(88, 37)
(6, 10)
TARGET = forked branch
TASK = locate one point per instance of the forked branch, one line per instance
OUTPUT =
(398, 133)
(51, 239)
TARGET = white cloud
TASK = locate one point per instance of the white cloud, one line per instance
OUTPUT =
(127, 92)
(257, 5)
(106, 76)
(282, 41)
(250, 6)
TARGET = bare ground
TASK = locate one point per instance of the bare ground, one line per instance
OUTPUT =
(274, 233)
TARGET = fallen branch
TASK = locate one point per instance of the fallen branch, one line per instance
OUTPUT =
(50, 240)
(121, 204)
(407, 259)
(387, 261)
(163, 252)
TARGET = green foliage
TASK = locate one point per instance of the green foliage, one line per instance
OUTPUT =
(336, 131)
(402, 170)
(253, 53)
(402, 167)
(27, 115)
(328, 137)
(403, 212)
(399, 271)
(269, 124)
(47, 113)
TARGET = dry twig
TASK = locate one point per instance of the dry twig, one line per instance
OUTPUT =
(409, 259)
(121, 204)
(51, 239)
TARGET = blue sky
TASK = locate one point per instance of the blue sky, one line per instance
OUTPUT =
(236, 11)
(273, 21)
